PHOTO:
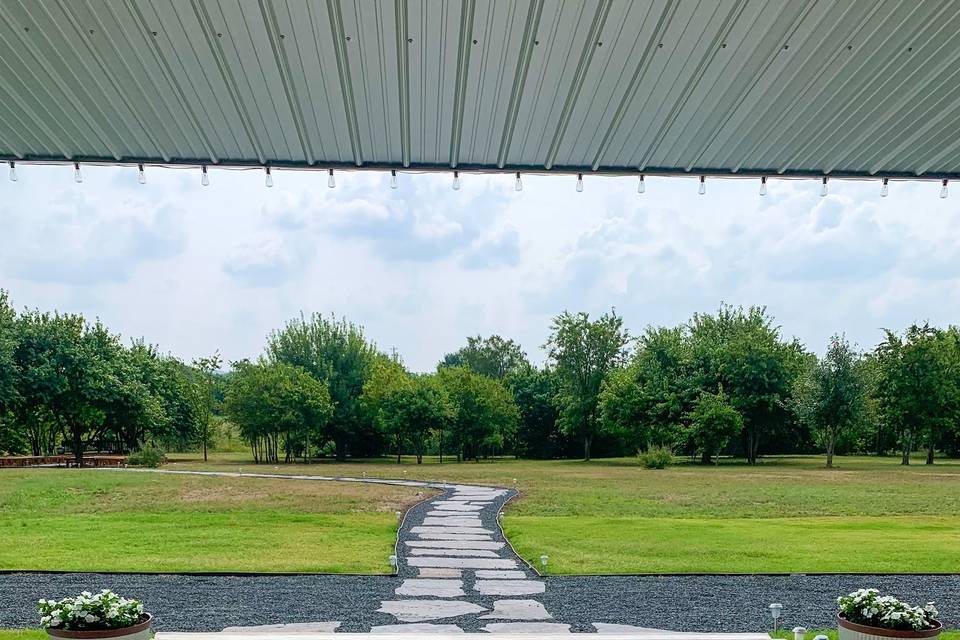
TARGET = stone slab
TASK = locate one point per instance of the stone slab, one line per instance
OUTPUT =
(449, 529)
(423, 610)
(434, 572)
(456, 544)
(479, 537)
(452, 514)
(462, 563)
(415, 587)
(526, 627)
(293, 627)
(517, 610)
(509, 587)
(459, 523)
(457, 506)
(485, 574)
(467, 553)
(417, 627)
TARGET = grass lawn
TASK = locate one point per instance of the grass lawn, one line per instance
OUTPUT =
(787, 514)
(152, 522)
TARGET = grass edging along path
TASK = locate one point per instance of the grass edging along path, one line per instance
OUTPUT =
(176, 523)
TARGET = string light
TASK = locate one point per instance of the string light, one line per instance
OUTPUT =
(518, 184)
(885, 188)
(77, 176)
(943, 189)
(141, 176)
(204, 177)
(268, 181)
(702, 189)
(823, 188)
(331, 182)
(393, 179)
(579, 183)
(456, 181)
(641, 186)
(763, 185)
(13, 171)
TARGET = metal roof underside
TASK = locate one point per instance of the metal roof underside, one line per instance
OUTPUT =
(810, 87)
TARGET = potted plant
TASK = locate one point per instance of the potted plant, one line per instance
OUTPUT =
(866, 615)
(88, 616)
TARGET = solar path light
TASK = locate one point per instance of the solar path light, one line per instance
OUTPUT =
(775, 609)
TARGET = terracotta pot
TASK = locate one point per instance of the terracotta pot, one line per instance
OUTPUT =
(853, 631)
(139, 631)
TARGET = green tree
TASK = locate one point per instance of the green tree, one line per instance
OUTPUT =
(483, 414)
(741, 351)
(584, 352)
(493, 357)
(917, 386)
(203, 393)
(712, 424)
(646, 401)
(418, 410)
(832, 395)
(387, 377)
(336, 353)
(534, 392)
(277, 407)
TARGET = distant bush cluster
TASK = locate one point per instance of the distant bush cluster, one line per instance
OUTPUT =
(725, 383)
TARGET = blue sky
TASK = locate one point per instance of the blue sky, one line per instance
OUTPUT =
(195, 269)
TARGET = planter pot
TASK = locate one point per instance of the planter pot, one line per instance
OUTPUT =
(852, 631)
(139, 631)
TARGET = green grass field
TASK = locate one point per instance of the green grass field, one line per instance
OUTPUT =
(785, 515)
(107, 521)
(609, 516)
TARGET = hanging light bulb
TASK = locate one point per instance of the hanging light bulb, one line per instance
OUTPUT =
(141, 176)
(331, 183)
(885, 188)
(13, 171)
(823, 188)
(641, 186)
(763, 185)
(518, 184)
(393, 179)
(579, 183)
(77, 176)
(943, 189)
(456, 181)
(268, 181)
(204, 178)
(702, 189)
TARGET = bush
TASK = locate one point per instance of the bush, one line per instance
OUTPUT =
(656, 457)
(147, 457)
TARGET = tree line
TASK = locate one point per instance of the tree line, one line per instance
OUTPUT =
(723, 383)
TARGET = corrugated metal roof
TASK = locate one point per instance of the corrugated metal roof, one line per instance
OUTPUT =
(844, 87)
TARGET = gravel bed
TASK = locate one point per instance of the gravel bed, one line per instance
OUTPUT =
(681, 603)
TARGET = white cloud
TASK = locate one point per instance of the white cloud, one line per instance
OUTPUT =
(421, 267)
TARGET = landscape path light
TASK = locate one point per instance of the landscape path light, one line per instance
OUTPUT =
(397, 513)
(799, 633)
(393, 561)
(543, 562)
(775, 609)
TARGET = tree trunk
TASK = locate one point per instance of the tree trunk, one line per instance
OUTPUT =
(830, 445)
(907, 445)
(930, 454)
(705, 458)
(77, 447)
(586, 448)
(441, 446)
(341, 449)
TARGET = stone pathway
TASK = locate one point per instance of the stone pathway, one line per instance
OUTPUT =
(456, 569)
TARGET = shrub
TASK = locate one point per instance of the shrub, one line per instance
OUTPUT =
(869, 608)
(656, 457)
(88, 612)
(147, 457)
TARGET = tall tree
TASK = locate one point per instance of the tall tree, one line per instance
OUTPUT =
(584, 352)
(493, 357)
(741, 351)
(483, 414)
(832, 395)
(336, 353)
(646, 402)
(712, 424)
(387, 378)
(919, 385)
(418, 410)
(204, 395)
(534, 392)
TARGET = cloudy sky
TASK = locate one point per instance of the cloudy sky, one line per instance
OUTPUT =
(196, 269)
